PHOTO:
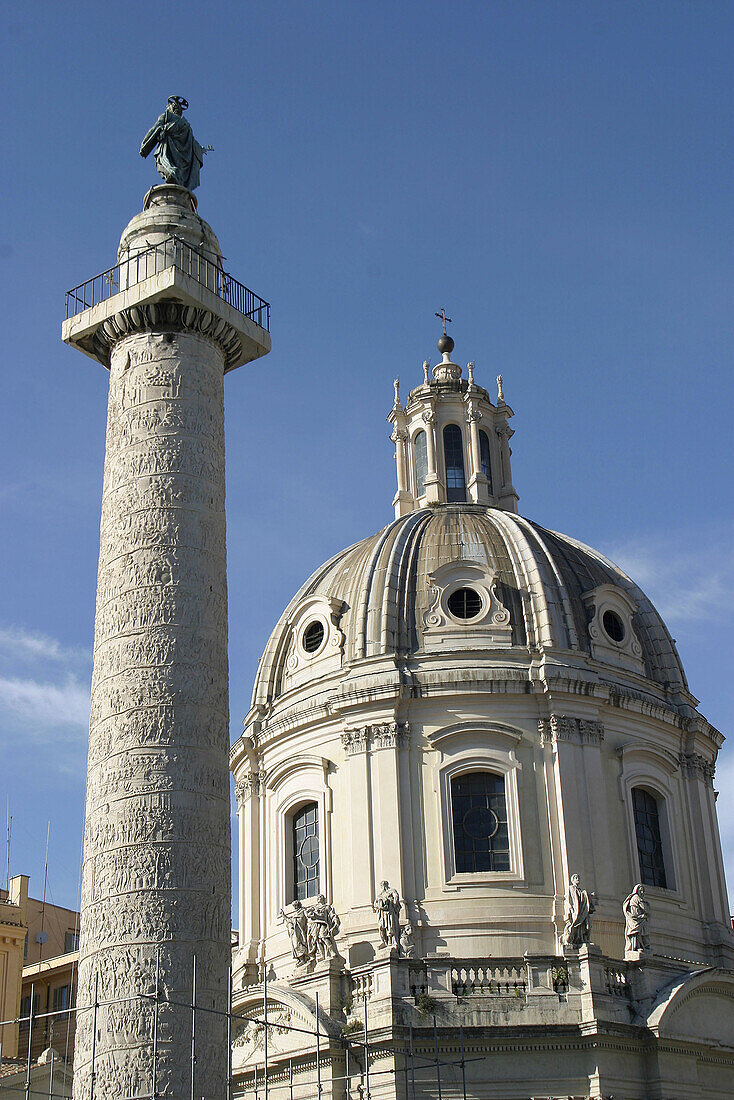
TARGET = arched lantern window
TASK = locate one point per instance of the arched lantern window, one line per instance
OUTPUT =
(485, 460)
(453, 451)
(421, 463)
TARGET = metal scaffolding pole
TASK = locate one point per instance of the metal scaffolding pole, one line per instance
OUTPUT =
(229, 1034)
(366, 1052)
(94, 1034)
(265, 1016)
(435, 1046)
(193, 1028)
(318, 1051)
(154, 1089)
(30, 1040)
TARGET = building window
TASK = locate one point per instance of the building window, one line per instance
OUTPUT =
(421, 463)
(25, 1008)
(649, 840)
(464, 603)
(613, 625)
(479, 815)
(485, 460)
(306, 852)
(62, 998)
(453, 451)
(71, 942)
(313, 636)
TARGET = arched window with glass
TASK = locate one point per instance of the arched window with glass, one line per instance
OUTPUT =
(479, 817)
(453, 453)
(305, 826)
(484, 459)
(650, 854)
(420, 451)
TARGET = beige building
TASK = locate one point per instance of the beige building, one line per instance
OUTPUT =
(471, 741)
(39, 960)
(13, 930)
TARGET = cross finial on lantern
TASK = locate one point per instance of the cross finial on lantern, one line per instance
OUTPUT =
(444, 319)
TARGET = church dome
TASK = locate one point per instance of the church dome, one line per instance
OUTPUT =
(477, 711)
(474, 580)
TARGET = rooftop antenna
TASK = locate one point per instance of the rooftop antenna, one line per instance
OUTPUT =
(43, 936)
(7, 845)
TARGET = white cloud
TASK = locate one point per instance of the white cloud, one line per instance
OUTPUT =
(20, 643)
(688, 576)
(42, 708)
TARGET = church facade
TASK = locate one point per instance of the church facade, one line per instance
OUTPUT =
(479, 852)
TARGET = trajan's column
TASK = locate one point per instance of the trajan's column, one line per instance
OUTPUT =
(168, 323)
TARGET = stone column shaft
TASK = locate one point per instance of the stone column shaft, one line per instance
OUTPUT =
(156, 877)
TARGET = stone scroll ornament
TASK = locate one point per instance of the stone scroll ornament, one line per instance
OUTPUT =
(178, 155)
(578, 907)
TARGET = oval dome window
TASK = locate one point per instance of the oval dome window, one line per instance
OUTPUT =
(613, 625)
(313, 636)
(465, 603)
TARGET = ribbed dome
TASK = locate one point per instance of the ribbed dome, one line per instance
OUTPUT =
(384, 586)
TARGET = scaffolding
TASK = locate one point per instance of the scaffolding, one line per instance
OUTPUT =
(416, 1073)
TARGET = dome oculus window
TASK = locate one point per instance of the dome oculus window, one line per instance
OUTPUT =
(613, 625)
(464, 603)
(313, 636)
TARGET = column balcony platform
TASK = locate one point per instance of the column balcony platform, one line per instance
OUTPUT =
(169, 271)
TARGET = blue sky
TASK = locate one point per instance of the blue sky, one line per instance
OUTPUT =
(557, 175)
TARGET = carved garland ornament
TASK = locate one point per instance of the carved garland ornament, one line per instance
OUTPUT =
(168, 317)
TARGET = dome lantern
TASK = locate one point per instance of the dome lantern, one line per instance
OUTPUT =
(452, 444)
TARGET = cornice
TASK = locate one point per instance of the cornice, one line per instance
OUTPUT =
(165, 317)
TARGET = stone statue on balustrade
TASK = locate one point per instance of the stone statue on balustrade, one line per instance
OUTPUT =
(323, 927)
(577, 910)
(636, 911)
(387, 907)
(297, 926)
(312, 932)
(178, 155)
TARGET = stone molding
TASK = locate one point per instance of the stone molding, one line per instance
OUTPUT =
(695, 766)
(168, 317)
(561, 727)
(387, 735)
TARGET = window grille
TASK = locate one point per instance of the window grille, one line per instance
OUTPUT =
(306, 852)
(453, 451)
(479, 815)
(485, 461)
(421, 463)
(649, 840)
